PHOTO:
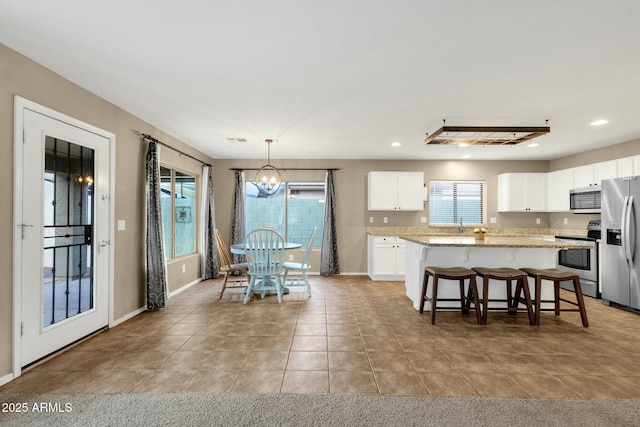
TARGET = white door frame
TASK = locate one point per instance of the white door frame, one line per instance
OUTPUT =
(20, 105)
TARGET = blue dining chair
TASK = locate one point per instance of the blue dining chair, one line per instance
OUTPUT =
(264, 249)
(302, 267)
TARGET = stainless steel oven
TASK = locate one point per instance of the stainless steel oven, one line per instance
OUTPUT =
(584, 262)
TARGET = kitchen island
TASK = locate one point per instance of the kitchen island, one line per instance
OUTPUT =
(466, 251)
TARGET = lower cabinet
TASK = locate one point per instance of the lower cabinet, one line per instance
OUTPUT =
(386, 258)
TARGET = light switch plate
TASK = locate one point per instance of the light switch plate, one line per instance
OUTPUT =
(370, 220)
(121, 225)
(423, 220)
(537, 220)
(384, 219)
(493, 220)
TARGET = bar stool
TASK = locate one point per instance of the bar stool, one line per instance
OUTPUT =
(508, 275)
(557, 275)
(450, 273)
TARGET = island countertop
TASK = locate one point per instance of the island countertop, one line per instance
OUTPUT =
(492, 242)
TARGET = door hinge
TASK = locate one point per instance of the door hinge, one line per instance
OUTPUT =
(24, 136)
(21, 328)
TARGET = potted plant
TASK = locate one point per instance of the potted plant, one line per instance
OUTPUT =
(479, 232)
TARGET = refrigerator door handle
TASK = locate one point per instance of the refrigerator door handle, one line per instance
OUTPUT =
(626, 234)
(631, 232)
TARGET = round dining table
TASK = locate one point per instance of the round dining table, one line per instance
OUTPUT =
(238, 249)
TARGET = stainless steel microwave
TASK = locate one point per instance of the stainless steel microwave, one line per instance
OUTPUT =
(586, 200)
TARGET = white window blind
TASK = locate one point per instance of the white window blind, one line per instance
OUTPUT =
(450, 200)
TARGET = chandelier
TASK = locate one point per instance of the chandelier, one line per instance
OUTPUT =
(268, 179)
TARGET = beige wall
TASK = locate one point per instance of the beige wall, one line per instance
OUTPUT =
(21, 76)
(618, 151)
(351, 195)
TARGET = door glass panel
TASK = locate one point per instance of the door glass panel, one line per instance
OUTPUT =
(68, 280)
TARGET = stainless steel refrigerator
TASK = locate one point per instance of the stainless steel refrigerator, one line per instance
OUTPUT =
(620, 245)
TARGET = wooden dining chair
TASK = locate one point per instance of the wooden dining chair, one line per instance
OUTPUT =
(228, 268)
(265, 250)
(302, 267)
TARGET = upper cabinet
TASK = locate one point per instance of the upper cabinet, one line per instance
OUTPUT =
(559, 183)
(522, 192)
(396, 191)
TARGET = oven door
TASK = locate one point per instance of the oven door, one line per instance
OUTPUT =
(584, 262)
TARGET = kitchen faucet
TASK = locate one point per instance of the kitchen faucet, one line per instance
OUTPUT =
(461, 226)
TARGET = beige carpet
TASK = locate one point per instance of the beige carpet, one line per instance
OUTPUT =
(194, 409)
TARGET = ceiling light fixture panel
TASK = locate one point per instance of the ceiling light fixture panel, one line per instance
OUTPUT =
(485, 135)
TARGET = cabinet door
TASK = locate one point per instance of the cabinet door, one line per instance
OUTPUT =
(535, 190)
(410, 191)
(625, 167)
(558, 185)
(636, 165)
(384, 259)
(401, 260)
(605, 170)
(382, 191)
(583, 176)
(512, 192)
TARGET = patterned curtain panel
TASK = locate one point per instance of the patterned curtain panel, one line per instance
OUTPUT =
(238, 217)
(156, 268)
(211, 263)
(329, 261)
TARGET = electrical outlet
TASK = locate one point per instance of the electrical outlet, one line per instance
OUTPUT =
(423, 220)
(290, 257)
(370, 220)
(121, 225)
(537, 220)
(566, 221)
(493, 220)
(184, 268)
(384, 219)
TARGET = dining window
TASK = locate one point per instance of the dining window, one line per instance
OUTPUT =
(178, 195)
(451, 200)
(294, 210)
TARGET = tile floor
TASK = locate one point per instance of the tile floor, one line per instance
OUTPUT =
(352, 336)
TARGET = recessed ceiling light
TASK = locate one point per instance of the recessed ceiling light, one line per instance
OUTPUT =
(533, 145)
(599, 122)
(395, 144)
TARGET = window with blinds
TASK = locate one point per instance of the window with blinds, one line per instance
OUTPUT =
(450, 200)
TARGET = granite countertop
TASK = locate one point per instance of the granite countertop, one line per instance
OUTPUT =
(454, 231)
(492, 241)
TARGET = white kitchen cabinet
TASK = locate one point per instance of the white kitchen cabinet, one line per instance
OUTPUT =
(386, 258)
(626, 167)
(395, 191)
(636, 165)
(559, 183)
(522, 192)
(583, 176)
(605, 170)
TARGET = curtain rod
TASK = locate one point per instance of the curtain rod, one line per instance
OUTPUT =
(287, 169)
(150, 138)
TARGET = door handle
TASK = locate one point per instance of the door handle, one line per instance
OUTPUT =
(102, 244)
(631, 228)
(626, 223)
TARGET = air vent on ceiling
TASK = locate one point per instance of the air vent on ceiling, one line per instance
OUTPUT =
(236, 140)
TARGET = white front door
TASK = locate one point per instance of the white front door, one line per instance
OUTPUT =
(63, 248)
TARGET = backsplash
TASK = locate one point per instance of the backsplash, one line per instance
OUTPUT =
(448, 231)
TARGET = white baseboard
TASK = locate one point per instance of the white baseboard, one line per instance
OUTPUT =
(185, 287)
(4, 380)
(127, 316)
(143, 309)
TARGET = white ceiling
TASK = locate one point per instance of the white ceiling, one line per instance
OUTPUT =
(346, 78)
